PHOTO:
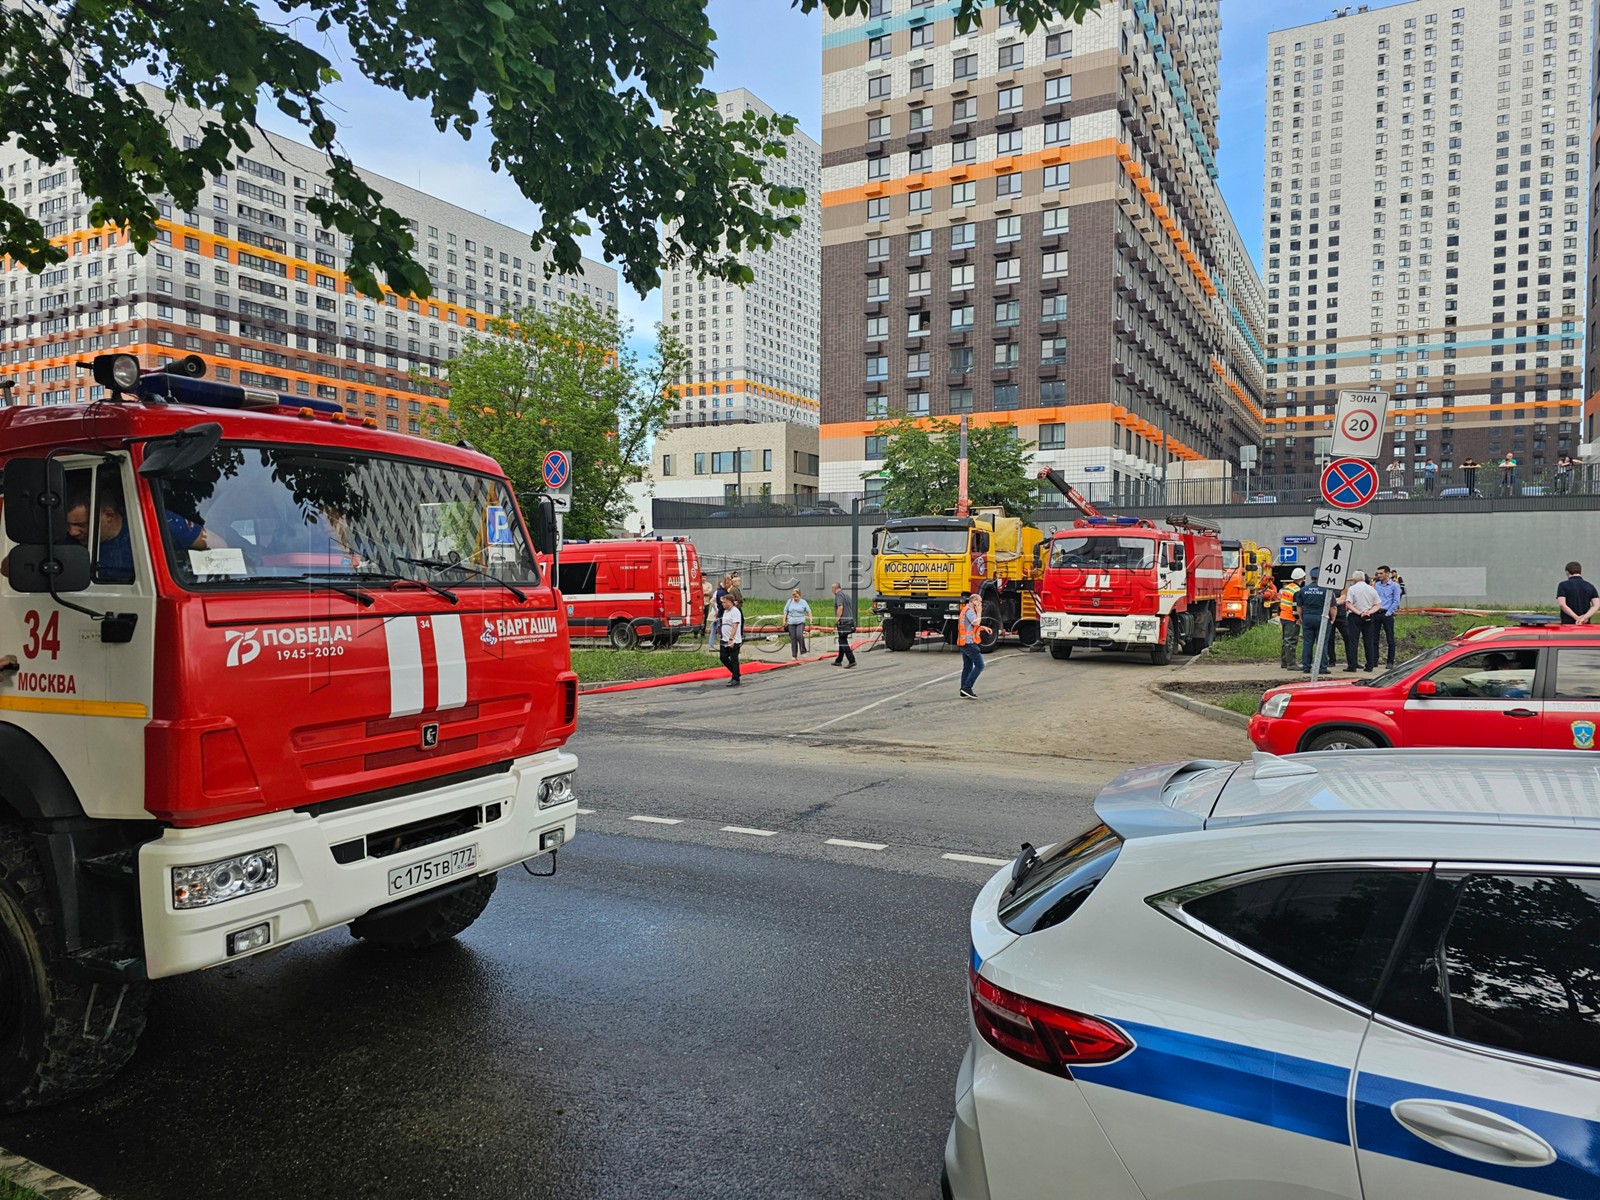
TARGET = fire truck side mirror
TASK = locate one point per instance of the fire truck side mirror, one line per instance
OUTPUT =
(36, 501)
(545, 526)
(182, 450)
(57, 569)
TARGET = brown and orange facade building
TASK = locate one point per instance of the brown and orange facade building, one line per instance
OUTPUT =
(255, 286)
(1027, 229)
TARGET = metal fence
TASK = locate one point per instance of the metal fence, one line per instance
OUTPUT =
(1484, 490)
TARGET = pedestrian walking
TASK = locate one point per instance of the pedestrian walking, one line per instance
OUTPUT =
(796, 616)
(1576, 597)
(1508, 473)
(1389, 594)
(736, 590)
(1430, 472)
(1564, 466)
(967, 628)
(1314, 606)
(844, 624)
(716, 611)
(1365, 606)
(732, 638)
(1288, 619)
(1469, 475)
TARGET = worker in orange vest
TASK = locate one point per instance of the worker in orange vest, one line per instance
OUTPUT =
(1288, 619)
(967, 626)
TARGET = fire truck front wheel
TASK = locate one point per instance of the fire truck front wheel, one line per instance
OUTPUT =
(899, 633)
(1162, 654)
(427, 921)
(59, 1035)
(1060, 650)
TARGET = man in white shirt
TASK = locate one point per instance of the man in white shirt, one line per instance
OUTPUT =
(1365, 607)
(732, 633)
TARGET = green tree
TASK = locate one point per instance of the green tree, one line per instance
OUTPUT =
(569, 90)
(921, 467)
(563, 380)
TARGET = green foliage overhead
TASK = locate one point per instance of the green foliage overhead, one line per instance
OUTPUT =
(563, 380)
(569, 93)
(921, 468)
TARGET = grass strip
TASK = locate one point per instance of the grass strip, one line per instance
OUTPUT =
(1413, 633)
(617, 666)
(15, 1191)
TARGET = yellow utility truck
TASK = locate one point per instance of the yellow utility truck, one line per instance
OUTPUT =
(921, 565)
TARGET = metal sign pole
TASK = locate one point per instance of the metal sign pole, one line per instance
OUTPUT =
(1322, 640)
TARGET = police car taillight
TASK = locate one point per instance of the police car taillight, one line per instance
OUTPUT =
(1042, 1035)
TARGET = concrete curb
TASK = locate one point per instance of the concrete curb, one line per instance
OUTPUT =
(1210, 711)
(46, 1182)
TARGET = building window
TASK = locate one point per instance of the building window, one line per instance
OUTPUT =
(918, 364)
(1054, 263)
(878, 47)
(1009, 99)
(916, 404)
(1005, 397)
(921, 78)
(961, 318)
(877, 446)
(1005, 356)
(961, 278)
(878, 87)
(877, 368)
(962, 195)
(1053, 391)
(1058, 90)
(960, 400)
(965, 66)
(877, 328)
(1007, 186)
(1058, 178)
(1008, 229)
(1053, 436)
(766, 460)
(1054, 309)
(1058, 45)
(964, 236)
(1057, 133)
(919, 324)
(1010, 56)
(699, 464)
(877, 249)
(1007, 312)
(878, 208)
(964, 110)
(878, 129)
(1007, 270)
(920, 201)
(666, 464)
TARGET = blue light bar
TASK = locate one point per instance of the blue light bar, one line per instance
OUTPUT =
(1127, 520)
(207, 393)
(1097, 520)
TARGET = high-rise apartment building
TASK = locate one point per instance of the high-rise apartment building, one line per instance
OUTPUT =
(255, 286)
(755, 350)
(1427, 173)
(1028, 229)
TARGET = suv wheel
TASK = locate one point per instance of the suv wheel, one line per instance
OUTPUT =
(1342, 739)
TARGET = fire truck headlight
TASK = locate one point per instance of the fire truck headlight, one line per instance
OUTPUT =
(555, 790)
(1276, 706)
(226, 879)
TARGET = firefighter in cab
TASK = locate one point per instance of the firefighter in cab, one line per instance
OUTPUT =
(1287, 618)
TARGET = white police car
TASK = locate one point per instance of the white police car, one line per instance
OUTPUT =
(1369, 975)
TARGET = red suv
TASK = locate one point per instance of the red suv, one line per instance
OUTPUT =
(1525, 687)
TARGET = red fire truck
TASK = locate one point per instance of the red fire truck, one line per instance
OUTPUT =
(632, 590)
(279, 672)
(1125, 583)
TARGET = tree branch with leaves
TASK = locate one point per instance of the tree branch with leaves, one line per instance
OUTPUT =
(569, 92)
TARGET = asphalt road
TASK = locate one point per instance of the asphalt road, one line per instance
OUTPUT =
(757, 990)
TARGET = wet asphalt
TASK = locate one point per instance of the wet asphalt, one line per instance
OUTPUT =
(658, 1020)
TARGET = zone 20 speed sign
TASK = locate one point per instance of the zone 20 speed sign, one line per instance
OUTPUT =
(1358, 424)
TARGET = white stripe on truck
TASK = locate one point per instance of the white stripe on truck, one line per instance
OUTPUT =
(405, 666)
(451, 652)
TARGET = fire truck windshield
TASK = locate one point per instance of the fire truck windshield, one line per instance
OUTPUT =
(1102, 551)
(924, 541)
(286, 512)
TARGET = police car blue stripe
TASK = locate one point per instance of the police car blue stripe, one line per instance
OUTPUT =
(1296, 1094)
(1576, 1141)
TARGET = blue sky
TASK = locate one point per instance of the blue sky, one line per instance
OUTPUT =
(776, 52)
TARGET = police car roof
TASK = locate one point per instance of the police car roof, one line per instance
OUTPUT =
(1450, 786)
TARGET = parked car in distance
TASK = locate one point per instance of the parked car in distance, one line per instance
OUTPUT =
(1261, 498)
(1352, 976)
(1460, 493)
(1522, 687)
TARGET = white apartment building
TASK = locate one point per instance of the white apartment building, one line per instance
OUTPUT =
(756, 350)
(1424, 200)
(255, 286)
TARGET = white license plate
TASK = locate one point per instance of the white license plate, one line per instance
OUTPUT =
(913, 606)
(432, 870)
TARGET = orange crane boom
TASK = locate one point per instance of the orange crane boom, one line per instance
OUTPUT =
(1073, 495)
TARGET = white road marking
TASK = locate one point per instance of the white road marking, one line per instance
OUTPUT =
(855, 845)
(885, 700)
(585, 812)
(657, 820)
(976, 858)
(750, 832)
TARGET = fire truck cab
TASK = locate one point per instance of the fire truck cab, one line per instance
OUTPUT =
(279, 672)
(1125, 583)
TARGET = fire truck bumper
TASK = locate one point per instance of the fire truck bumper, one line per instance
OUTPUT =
(1109, 629)
(327, 870)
